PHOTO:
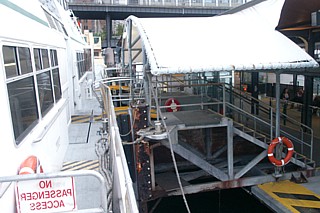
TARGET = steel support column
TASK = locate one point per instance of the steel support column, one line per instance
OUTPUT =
(109, 30)
(230, 148)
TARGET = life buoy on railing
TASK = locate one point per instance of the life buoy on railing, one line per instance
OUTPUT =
(30, 165)
(272, 146)
(172, 104)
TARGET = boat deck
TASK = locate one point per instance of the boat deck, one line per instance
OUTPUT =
(80, 155)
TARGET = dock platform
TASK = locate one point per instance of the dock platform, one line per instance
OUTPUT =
(288, 196)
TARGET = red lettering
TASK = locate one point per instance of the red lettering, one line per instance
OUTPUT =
(69, 192)
(53, 194)
(32, 206)
(49, 204)
(35, 196)
(58, 193)
(38, 205)
(23, 196)
(62, 203)
(46, 195)
(28, 196)
(45, 184)
(56, 204)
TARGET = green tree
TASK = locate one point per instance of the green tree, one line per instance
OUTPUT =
(119, 30)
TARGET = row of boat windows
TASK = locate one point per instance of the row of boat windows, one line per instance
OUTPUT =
(33, 83)
(55, 24)
(84, 62)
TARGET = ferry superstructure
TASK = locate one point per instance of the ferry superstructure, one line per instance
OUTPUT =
(43, 58)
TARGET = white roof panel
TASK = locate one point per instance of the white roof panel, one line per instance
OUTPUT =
(246, 40)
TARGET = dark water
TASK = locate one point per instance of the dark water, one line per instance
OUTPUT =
(223, 201)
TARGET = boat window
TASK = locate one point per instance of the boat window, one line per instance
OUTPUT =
(55, 75)
(54, 58)
(16, 64)
(10, 64)
(49, 17)
(58, 24)
(33, 92)
(25, 60)
(37, 58)
(45, 58)
(56, 84)
(24, 112)
(87, 60)
(80, 64)
(84, 62)
(45, 91)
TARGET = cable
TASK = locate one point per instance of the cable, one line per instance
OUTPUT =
(172, 153)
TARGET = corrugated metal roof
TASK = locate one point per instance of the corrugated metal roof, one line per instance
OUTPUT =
(245, 40)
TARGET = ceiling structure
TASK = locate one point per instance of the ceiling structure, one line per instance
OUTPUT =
(243, 39)
(296, 14)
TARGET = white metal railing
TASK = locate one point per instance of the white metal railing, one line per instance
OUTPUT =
(241, 111)
(123, 191)
(103, 189)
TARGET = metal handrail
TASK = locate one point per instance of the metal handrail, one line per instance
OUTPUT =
(124, 193)
(268, 121)
(269, 110)
(79, 173)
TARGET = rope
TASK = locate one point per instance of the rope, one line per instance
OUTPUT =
(172, 153)
(102, 151)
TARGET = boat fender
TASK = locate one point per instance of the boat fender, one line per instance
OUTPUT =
(30, 165)
(287, 142)
(173, 105)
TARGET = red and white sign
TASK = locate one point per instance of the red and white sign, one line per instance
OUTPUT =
(46, 195)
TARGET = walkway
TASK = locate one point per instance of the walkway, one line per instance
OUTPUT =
(81, 153)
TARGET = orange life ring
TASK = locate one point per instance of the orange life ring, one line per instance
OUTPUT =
(174, 105)
(30, 165)
(272, 146)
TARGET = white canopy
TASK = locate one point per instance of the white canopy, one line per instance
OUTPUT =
(246, 40)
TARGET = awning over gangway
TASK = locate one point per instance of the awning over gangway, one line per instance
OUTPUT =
(245, 40)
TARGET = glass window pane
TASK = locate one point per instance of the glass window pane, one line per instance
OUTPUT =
(87, 60)
(58, 24)
(37, 57)
(54, 58)
(45, 91)
(45, 58)
(9, 58)
(56, 84)
(51, 23)
(25, 60)
(24, 113)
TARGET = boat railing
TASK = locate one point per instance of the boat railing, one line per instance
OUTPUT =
(80, 173)
(242, 108)
(298, 132)
(122, 184)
